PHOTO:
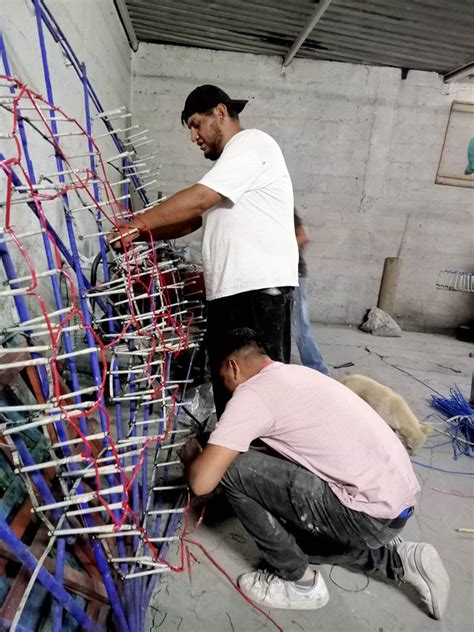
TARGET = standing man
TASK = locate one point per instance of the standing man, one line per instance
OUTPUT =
(245, 205)
(307, 346)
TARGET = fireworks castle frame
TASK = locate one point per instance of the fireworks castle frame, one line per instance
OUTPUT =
(106, 485)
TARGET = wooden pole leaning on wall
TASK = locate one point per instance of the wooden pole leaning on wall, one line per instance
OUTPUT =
(389, 284)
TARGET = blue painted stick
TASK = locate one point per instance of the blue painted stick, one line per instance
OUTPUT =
(58, 591)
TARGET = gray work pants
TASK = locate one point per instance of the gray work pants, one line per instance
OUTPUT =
(296, 519)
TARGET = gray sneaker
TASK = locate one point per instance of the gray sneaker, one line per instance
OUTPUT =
(424, 570)
(271, 591)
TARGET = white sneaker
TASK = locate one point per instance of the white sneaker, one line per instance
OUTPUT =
(425, 571)
(271, 591)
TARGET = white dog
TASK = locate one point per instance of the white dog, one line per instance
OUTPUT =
(392, 408)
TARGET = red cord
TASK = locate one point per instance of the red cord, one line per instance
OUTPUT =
(234, 583)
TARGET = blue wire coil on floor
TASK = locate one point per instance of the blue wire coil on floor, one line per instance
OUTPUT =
(459, 418)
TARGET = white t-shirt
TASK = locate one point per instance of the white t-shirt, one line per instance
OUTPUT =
(323, 426)
(249, 240)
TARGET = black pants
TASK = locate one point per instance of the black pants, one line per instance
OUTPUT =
(268, 312)
(296, 519)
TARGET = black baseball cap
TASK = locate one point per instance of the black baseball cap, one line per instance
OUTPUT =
(204, 98)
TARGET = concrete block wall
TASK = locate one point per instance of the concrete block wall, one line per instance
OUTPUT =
(362, 146)
(97, 37)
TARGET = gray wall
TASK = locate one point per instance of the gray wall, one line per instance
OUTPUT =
(362, 147)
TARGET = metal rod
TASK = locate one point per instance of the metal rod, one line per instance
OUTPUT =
(97, 205)
(164, 569)
(79, 498)
(313, 19)
(31, 233)
(118, 534)
(137, 560)
(118, 110)
(97, 529)
(160, 512)
(93, 437)
(160, 488)
(90, 510)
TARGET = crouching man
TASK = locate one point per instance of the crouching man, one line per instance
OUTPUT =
(337, 487)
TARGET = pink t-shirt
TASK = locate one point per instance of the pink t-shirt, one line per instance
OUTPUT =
(320, 424)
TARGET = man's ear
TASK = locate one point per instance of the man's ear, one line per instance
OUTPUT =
(221, 111)
(234, 366)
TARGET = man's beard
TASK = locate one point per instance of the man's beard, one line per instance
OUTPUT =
(212, 154)
(215, 150)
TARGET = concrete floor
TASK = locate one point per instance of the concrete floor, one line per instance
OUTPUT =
(413, 365)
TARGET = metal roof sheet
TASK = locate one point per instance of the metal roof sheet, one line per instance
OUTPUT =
(435, 35)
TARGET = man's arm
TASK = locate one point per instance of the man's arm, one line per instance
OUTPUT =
(173, 231)
(175, 217)
(205, 468)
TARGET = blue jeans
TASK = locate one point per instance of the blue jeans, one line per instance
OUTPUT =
(309, 351)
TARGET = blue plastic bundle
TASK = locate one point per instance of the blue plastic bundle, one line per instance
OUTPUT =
(460, 419)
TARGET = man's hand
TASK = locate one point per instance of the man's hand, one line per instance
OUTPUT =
(123, 235)
(190, 451)
(302, 237)
(205, 468)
